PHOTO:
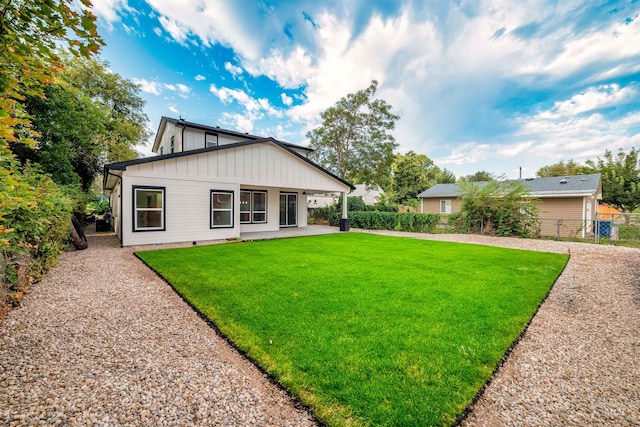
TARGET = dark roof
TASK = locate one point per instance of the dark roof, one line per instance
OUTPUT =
(287, 147)
(577, 185)
(217, 130)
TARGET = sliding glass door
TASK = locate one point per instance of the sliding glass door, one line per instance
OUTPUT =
(288, 209)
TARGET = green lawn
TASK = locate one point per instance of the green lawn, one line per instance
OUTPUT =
(367, 329)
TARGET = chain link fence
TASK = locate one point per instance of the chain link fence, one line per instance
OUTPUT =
(607, 226)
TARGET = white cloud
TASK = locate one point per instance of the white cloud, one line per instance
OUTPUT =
(110, 10)
(235, 71)
(592, 99)
(173, 109)
(183, 90)
(210, 21)
(254, 109)
(200, 77)
(243, 123)
(158, 31)
(286, 100)
(147, 86)
(177, 31)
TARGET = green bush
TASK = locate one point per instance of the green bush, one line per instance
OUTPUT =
(34, 225)
(409, 221)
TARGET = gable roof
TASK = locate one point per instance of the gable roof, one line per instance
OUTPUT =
(110, 177)
(557, 186)
(213, 129)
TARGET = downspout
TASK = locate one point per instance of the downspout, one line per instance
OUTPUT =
(182, 139)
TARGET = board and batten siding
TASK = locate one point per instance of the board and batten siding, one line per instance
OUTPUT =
(194, 138)
(259, 164)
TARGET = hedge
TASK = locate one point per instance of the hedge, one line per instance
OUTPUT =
(408, 221)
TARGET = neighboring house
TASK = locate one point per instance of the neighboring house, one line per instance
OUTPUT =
(567, 205)
(208, 183)
(370, 196)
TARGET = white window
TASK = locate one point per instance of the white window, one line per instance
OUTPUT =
(221, 209)
(445, 206)
(210, 140)
(253, 206)
(173, 144)
(148, 208)
(161, 151)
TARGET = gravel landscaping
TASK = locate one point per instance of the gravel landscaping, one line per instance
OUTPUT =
(103, 341)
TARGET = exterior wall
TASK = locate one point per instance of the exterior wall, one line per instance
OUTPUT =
(165, 141)
(194, 139)
(432, 205)
(188, 181)
(252, 165)
(567, 209)
(187, 211)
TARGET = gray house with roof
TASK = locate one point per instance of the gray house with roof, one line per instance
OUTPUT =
(209, 183)
(567, 205)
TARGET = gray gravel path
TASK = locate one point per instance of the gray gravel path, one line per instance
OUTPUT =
(102, 341)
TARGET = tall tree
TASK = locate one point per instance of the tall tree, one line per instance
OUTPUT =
(412, 174)
(69, 126)
(480, 176)
(124, 120)
(88, 116)
(354, 140)
(563, 169)
(620, 179)
(31, 34)
(445, 176)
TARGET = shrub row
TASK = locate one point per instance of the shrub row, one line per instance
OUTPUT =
(34, 226)
(408, 221)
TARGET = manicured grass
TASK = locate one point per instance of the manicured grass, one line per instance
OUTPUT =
(367, 329)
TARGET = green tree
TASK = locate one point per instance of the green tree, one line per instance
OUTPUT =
(69, 125)
(124, 120)
(445, 176)
(412, 174)
(354, 140)
(500, 208)
(620, 179)
(563, 169)
(31, 34)
(88, 116)
(480, 176)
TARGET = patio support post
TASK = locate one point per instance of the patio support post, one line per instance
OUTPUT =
(344, 221)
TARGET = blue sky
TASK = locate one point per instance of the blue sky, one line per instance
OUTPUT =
(479, 85)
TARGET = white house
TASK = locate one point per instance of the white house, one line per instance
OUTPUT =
(208, 183)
